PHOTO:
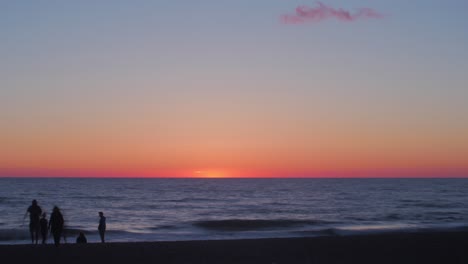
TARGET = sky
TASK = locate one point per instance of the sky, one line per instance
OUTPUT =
(222, 88)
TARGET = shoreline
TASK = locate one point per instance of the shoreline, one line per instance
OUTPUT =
(428, 247)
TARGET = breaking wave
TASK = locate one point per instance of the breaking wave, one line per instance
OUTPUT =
(253, 224)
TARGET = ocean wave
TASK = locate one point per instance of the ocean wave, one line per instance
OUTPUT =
(76, 231)
(14, 234)
(422, 204)
(163, 227)
(23, 233)
(399, 228)
(97, 197)
(253, 224)
(439, 217)
(393, 217)
(320, 232)
(185, 200)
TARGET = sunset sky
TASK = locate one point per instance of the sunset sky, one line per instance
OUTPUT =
(224, 88)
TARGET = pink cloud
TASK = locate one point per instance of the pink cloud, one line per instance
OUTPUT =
(321, 12)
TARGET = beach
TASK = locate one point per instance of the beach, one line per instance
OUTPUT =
(431, 247)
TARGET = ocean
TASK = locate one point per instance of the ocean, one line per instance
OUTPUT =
(199, 209)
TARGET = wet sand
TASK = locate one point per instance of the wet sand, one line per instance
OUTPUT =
(412, 248)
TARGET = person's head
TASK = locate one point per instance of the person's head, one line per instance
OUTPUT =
(56, 209)
(44, 215)
(34, 202)
(101, 214)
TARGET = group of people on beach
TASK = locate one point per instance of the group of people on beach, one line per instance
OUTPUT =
(38, 223)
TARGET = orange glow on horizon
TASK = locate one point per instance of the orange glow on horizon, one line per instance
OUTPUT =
(226, 173)
(206, 144)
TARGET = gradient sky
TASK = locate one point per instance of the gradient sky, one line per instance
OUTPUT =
(225, 88)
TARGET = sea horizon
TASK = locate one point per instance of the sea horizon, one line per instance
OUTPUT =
(232, 177)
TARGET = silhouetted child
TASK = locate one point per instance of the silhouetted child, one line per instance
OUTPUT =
(56, 224)
(44, 227)
(102, 226)
(81, 239)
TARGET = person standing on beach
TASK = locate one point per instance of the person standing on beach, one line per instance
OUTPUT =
(56, 224)
(34, 215)
(102, 226)
(44, 227)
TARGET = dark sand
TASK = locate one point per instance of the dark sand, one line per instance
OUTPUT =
(385, 248)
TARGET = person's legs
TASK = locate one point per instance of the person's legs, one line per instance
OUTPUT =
(36, 233)
(44, 236)
(101, 234)
(31, 231)
(57, 238)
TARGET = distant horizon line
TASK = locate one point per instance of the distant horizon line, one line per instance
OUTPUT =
(461, 172)
(233, 177)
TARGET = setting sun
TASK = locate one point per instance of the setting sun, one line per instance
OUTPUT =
(210, 174)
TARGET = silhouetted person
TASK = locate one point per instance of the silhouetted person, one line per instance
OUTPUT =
(81, 239)
(34, 215)
(44, 224)
(56, 223)
(102, 226)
